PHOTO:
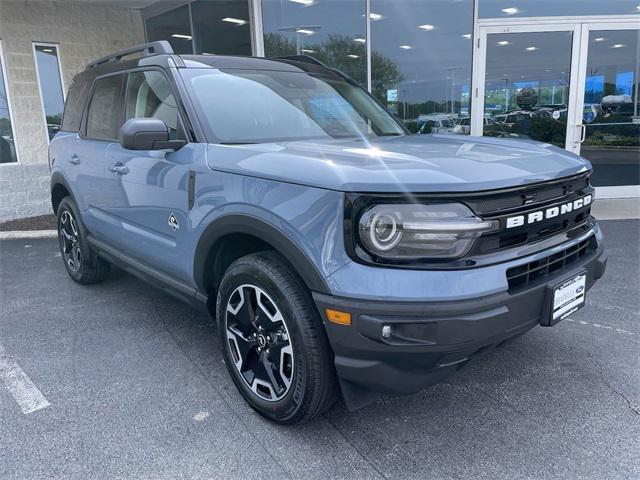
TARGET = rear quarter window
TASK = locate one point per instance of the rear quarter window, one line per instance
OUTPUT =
(73, 108)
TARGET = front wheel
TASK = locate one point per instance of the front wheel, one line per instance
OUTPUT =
(274, 343)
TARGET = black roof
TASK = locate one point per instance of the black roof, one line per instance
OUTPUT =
(161, 55)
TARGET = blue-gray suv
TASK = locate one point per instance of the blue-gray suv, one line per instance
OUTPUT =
(337, 252)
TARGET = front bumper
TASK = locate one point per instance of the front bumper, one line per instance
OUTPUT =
(432, 340)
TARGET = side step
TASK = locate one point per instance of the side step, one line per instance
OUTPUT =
(161, 280)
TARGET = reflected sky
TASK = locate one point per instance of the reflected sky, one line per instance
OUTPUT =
(50, 83)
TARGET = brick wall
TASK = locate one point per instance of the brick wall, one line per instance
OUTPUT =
(84, 31)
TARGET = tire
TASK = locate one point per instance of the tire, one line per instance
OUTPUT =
(293, 347)
(81, 262)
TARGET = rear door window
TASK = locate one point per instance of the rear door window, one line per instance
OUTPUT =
(105, 110)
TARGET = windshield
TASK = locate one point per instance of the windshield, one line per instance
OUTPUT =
(259, 106)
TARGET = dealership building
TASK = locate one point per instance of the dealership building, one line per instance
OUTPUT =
(565, 72)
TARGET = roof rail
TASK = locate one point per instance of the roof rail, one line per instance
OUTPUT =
(300, 58)
(312, 61)
(153, 48)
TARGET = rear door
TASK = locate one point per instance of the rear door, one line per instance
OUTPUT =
(94, 183)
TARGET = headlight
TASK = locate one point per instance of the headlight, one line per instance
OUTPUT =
(417, 231)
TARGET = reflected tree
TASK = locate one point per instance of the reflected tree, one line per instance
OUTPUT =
(343, 53)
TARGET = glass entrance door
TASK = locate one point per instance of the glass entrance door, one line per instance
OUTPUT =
(572, 83)
(527, 85)
(610, 120)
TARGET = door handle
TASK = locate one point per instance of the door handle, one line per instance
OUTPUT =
(75, 159)
(119, 168)
(583, 132)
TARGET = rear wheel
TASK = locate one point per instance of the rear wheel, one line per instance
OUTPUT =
(82, 264)
(274, 343)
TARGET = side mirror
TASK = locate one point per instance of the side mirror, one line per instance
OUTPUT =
(147, 134)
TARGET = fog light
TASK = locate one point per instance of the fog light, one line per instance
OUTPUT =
(386, 331)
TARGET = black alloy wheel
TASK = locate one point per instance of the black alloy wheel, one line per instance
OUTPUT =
(70, 241)
(274, 343)
(259, 342)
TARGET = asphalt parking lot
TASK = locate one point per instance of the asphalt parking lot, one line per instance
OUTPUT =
(133, 386)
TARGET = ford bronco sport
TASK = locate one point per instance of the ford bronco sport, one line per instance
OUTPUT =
(337, 252)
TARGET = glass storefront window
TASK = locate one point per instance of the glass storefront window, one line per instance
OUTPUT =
(173, 26)
(546, 8)
(221, 27)
(47, 63)
(7, 140)
(421, 62)
(332, 31)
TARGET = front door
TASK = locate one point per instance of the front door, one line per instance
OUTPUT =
(153, 209)
(567, 83)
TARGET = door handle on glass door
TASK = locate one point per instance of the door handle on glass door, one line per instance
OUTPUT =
(583, 132)
(119, 168)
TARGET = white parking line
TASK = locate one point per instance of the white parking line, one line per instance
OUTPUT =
(599, 325)
(25, 393)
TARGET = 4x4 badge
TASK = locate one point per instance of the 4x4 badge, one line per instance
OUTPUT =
(173, 222)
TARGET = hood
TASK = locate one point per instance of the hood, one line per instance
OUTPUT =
(414, 163)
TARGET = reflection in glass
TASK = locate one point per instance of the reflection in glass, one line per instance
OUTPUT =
(7, 141)
(332, 31)
(294, 106)
(173, 26)
(149, 95)
(611, 107)
(104, 114)
(545, 8)
(50, 86)
(527, 86)
(421, 62)
(221, 27)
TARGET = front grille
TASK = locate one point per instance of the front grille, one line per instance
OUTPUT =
(523, 275)
(501, 206)
(490, 204)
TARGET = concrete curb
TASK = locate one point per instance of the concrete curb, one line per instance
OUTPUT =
(21, 234)
(616, 208)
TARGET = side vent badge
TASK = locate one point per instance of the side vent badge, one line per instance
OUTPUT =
(173, 222)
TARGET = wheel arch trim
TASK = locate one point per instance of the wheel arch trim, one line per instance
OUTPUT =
(57, 178)
(250, 225)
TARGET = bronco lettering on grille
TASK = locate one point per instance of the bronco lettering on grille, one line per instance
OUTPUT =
(547, 213)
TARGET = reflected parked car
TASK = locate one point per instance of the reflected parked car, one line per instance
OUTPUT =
(442, 126)
(490, 129)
